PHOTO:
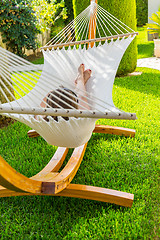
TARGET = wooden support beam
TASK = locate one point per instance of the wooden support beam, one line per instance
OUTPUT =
(47, 181)
(32, 133)
(126, 132)
(92, 26)
(11, 179)
(85, 192)
(62, 180)
(102, 39)
(50, 182)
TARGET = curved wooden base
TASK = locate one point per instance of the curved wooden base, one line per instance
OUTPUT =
(51, 182)
(85, 192)
(48, 181)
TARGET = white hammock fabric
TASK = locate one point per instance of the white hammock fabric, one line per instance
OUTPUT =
(30, 85)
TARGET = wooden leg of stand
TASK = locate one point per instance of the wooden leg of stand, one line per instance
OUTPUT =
(18, 185)
(126, 132)
(32, 133)
(84, 192)
(98, 194)
(114, 130)
(47, 181)
(50, 182)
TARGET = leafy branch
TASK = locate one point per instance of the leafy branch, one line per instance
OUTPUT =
(155, 26)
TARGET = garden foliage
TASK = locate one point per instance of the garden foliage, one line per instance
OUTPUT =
(155, 25)
(47, 12)
(18, 25)
(69, 7)
(142, 12)
(124, 10)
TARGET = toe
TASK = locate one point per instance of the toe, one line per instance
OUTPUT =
(81, 68)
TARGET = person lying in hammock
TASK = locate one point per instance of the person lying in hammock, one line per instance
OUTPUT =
(77, 98)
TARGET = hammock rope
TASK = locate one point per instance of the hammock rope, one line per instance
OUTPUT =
(105, 27)
(20, 78)
(24, 87)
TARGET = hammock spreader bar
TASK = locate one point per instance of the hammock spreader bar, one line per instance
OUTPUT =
(68, 113)
(88, 41)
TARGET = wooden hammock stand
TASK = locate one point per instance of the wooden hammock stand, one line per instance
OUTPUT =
(51, 182)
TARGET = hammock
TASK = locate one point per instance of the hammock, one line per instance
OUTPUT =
(95, 38)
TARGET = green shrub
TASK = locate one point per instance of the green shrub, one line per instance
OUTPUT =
(142, 12)
(48, 12)
(18, 25)
(124, 10)
(57, 27)
(69, 6)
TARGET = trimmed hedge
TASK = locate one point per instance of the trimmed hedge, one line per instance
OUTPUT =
(142, 12)
(124, 10)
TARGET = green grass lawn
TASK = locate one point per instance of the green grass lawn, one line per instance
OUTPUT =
(145, 47)
(38, 61)
(126, 164)
(23, 83)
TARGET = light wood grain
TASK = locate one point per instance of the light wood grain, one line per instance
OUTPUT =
(102, 39)
(47, 181)
(85, 192)
(62, 180)
(92, 26)
(126, 132)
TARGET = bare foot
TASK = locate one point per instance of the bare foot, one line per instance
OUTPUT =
(86, 75)
(80, 73)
